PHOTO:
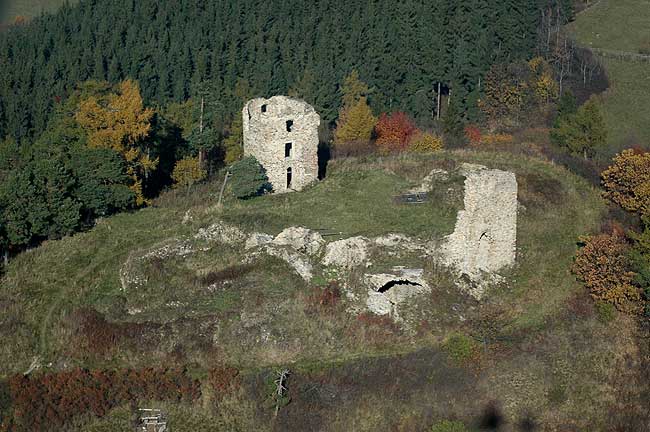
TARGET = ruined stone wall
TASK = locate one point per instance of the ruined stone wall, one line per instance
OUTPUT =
(484, 239)
(267, 134)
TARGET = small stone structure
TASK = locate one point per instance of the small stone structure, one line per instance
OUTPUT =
(282, 134)
(485, 236)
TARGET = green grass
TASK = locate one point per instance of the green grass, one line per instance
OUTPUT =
(10, 9)
(261, 318)
(621, 25)
(357, 201)
(616, 25)
(43, 287)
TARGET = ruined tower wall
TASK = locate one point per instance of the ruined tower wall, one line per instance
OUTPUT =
(485, 236)
(279, 145)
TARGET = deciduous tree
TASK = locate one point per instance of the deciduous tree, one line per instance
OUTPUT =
(394, 132)
(120, 122)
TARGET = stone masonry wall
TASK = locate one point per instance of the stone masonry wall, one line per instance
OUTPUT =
(484, 239)
(266, 136)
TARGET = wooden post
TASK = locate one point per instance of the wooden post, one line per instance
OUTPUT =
(223, 187)
(438, 108)
(201, 132)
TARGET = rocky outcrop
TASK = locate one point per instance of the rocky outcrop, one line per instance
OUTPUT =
(386, 291)
(301, 239)
(222, 233)
(282, 133)
(485, 235)
(347, 253)
(298, 262)
(257, 239)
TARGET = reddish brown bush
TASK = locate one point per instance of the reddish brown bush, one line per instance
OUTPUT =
(394, 132)
(97, 336)
(473, 135)
(48, 402)
(323, 299)
(223, 380)
(603, 265)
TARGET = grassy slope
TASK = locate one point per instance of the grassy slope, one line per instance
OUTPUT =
(45, 285)
(622, 25)
(10, 9)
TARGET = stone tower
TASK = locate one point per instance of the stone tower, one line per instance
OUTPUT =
(282, 134)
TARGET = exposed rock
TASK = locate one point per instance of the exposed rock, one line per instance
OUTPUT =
(484, 239)
(282, 133)
(400, 241)
(387, 291)
(176, 249)
(301, 239)
(429, 180)
(258, 239)
(187, 218)
(222, 233)
(297, 261)
(346, 253)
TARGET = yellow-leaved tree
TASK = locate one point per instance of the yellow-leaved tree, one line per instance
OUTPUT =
(119, 121)
(188, 171)
(355, 123)
(627, 181)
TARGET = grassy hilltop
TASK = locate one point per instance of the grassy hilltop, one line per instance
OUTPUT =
(217, 306)
(621, 25)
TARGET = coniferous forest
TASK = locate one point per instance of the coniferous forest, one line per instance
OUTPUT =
(402, 50)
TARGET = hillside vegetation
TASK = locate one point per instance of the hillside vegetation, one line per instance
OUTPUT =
(622, 26)
(65, 299)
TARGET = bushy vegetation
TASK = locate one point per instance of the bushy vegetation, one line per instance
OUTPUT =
(448, 426)
(50, 401)
(602, 264)
(248, 178)
(460, 348)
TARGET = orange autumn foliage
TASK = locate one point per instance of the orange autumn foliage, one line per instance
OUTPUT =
(394, 132)
(603, 266)
(627, 181)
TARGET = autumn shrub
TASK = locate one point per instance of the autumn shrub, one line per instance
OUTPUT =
(97, 336)
(223, 380)
(497, 140)
(394, 132)
(249, 178)
(460, 348)
(323, 299)
(374, 329)
(627, 181)
(50, 401)
(187, 172)
(425, 143)
(602, 264)
(473, 135)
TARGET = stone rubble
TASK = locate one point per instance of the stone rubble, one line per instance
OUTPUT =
(347, 253)
(301, 239)
(221, 233)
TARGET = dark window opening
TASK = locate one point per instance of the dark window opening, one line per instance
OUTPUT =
(289, 178)
(392, 283)
(287, 150)
(264, 108)
(289, 125)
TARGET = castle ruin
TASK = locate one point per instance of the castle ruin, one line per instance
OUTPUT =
(282, 134)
